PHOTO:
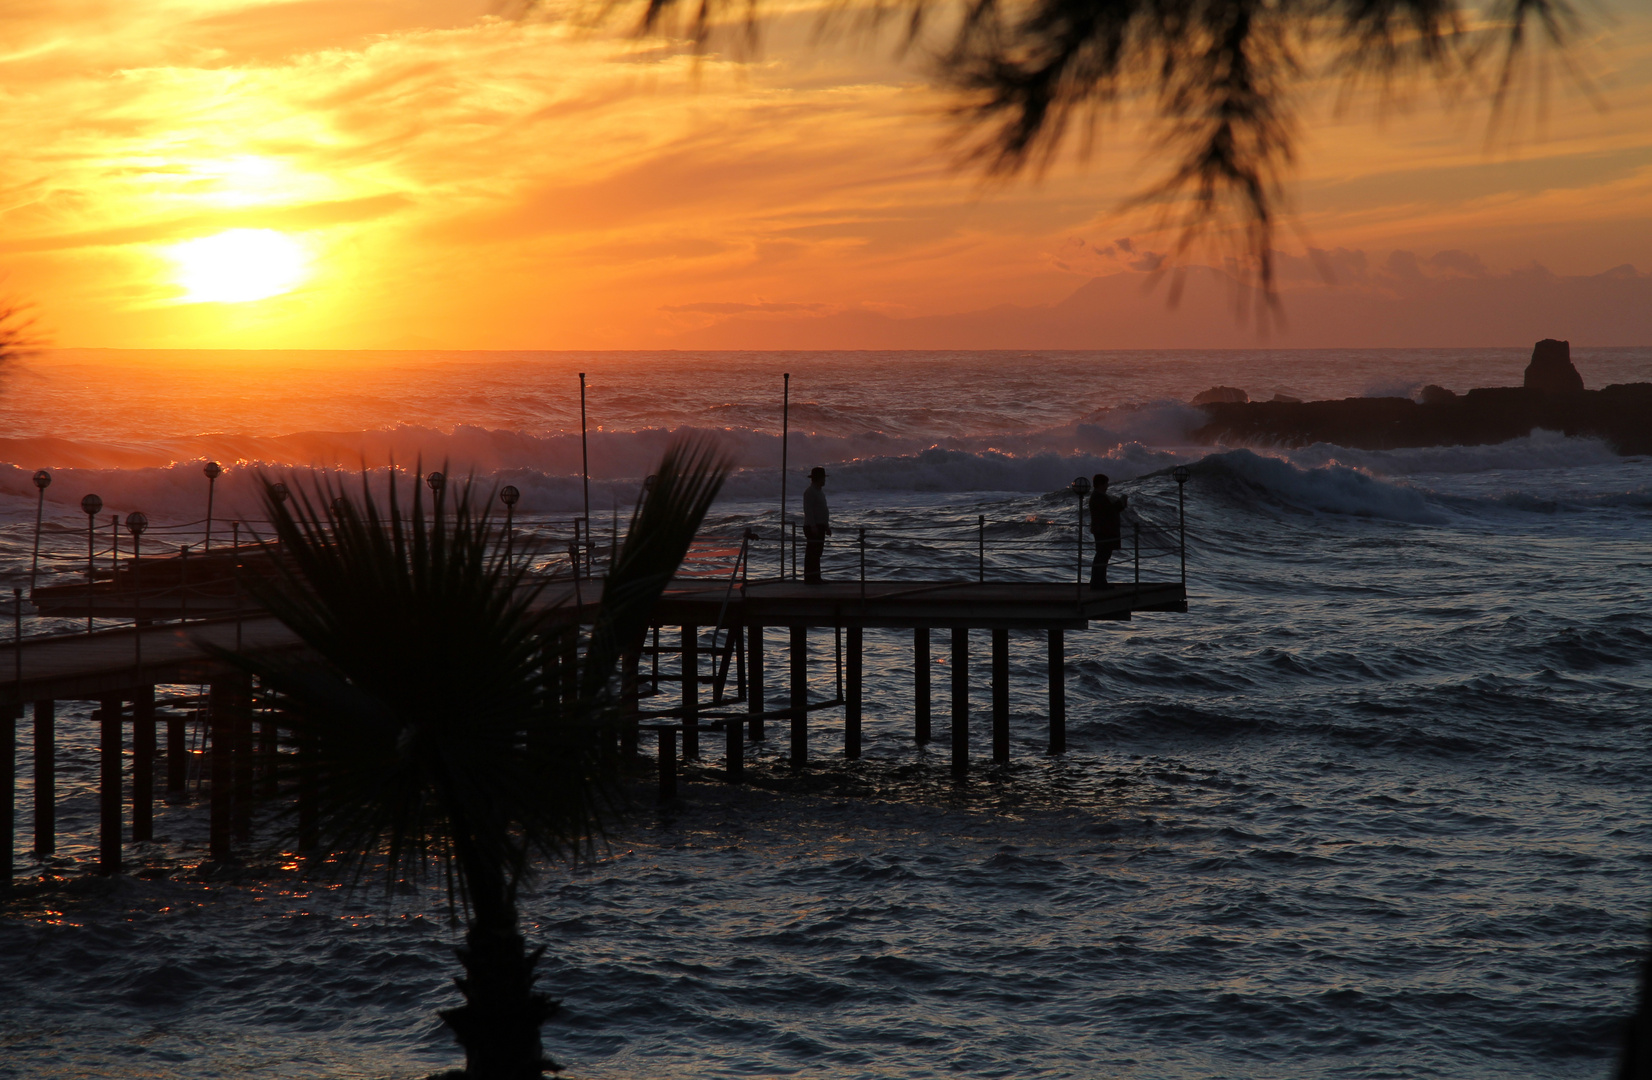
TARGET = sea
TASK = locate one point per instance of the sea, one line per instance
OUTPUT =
(1375, 806)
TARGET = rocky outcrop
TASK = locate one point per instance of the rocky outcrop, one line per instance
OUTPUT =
(1618, 414)
(1551, 370)
(1226, 395)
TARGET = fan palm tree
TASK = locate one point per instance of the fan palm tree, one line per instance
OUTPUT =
(427, 736)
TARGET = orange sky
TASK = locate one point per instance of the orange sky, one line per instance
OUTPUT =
(435, 176)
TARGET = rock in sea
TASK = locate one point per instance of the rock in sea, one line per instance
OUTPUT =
(1551, 370)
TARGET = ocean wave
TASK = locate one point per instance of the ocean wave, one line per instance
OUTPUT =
(1539, 450)
(1262, 480)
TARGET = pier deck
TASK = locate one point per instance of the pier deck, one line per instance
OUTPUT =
(721, 688)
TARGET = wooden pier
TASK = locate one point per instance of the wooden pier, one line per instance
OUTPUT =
(120, 669)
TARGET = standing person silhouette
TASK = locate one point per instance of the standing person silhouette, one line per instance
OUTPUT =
(817, 523)
(1105, 511)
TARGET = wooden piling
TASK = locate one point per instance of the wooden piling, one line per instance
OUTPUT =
(756, 694)
(45, 778)
(691, 692)
(8, 790)
(269, 749)
(800, 696)
(109, 788)
(920, 685)
(143, 764)
(1001, 696)
(853, 679)
(1058, 692)
(241, 726)
(309, 775)
(220, 733)
(960, 702)
(177, 754)
(668, 763)
(630, 695)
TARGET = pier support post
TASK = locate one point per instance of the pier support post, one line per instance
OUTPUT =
(920, 685)
(691, 692)
(308, 777)
(800, 696)
(852, 694)
(756, 694)
(177, 754)
(668, 763)
(1058, 692)
(109, 753)
(143, 764)
(630, 694)
(734, 759)
(8, 790)
(241, 725)
(960, 702)
(1001, 696)
(220, 734)
(45, 778)
(269, 747)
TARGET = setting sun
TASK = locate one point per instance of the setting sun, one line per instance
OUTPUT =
(239, 265)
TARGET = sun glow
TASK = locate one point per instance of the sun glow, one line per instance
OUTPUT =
(239, 265)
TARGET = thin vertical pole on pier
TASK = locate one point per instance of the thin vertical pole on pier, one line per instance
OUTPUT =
(668, 762)
(1058, 691)
(800, 696)
(177, 753)
(1001, 696)
(734, 760)
(17, 641)
(960, 702)
(42, 481)
(109, 753)
(95, 504)
(235, 575)
(756, 693)
(691, 692)
(8, 790)
(1136, 526)
(222, 766)
(981, 547)
(241, 721)
(585, 470)
(852, 696)
(863, 565)
(1181, 517)
(45, 778)
(143, 764)
(920, 685)
(785, 438)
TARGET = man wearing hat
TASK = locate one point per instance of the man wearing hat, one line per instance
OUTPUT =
(816, 523)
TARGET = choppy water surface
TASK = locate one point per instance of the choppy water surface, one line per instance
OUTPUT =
(1376, 806)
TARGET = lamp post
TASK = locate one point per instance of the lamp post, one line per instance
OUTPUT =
(279, 492)
(785, 437)
(42, 481)
(212, 470)
(436, 481)
(585, 469)
(136, 522)
(1180, 474)
(508, 495)
(91, 506)
(1080, 487)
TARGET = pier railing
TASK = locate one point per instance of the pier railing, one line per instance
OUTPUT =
(155, 577)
